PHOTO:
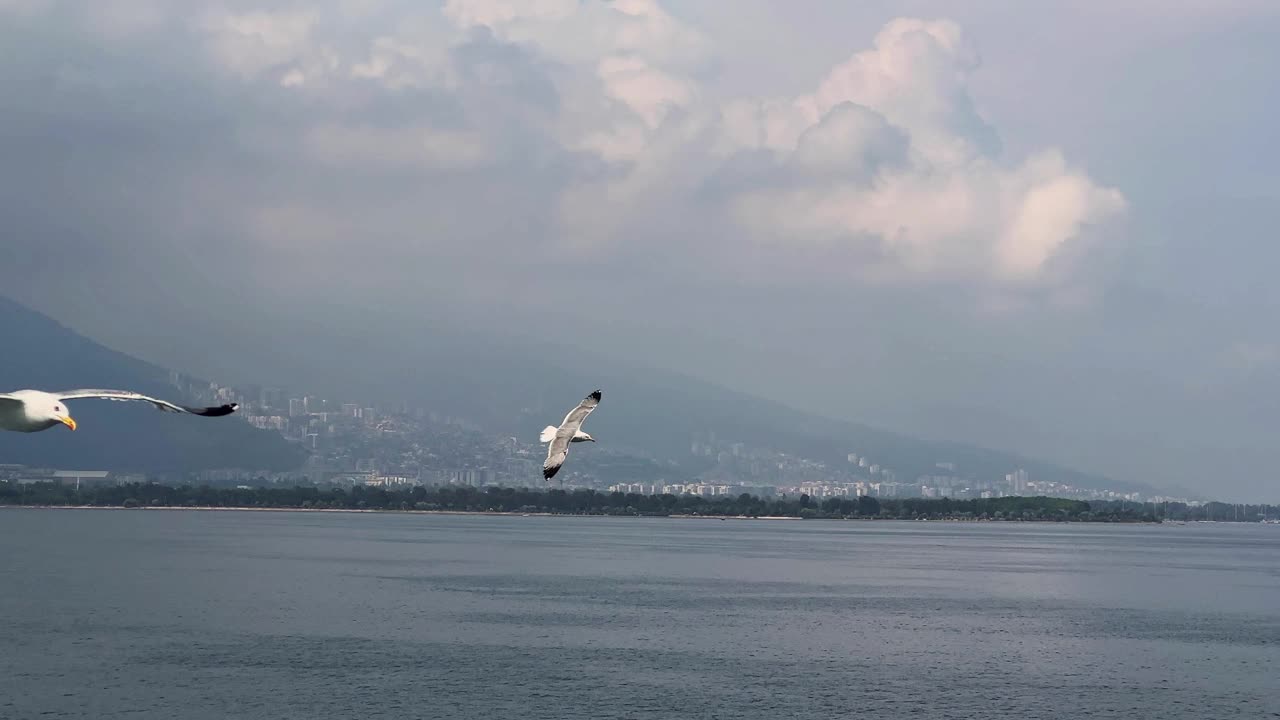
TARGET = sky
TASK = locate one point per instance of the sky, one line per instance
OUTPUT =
(1045, 227)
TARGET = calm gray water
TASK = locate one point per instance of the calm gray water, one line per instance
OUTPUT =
(151, 614)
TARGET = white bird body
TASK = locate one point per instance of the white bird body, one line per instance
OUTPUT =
(569, 431)
(35, 410)
(549, 434)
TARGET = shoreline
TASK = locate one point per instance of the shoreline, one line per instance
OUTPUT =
(518, 513)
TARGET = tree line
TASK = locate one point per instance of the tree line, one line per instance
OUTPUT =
(575, 502)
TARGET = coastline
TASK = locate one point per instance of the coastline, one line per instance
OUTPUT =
(210, 508)
(518, 513)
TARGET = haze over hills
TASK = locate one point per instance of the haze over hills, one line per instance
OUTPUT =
(510, 386)
(516, 385)
(116, 435)
(660, 414)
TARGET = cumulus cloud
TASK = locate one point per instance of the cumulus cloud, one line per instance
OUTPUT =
(886, 158)
(595, 124)
(893, 156)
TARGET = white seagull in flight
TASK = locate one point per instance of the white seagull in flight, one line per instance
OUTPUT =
(568, 432)
(35, 410)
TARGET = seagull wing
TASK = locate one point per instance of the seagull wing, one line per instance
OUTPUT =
(574, 419)
(165, 405)
(558, 449)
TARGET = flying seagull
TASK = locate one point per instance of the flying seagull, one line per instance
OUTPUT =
(568, 432)
(35, 410)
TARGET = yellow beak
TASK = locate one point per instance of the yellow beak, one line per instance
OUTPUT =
(68, 421)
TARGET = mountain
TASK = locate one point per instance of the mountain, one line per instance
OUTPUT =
(508, 385)
(43, 354)
(658, 413)
(516, 386)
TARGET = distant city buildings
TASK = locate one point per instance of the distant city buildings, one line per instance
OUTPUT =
(354, 443)
(1017, 481)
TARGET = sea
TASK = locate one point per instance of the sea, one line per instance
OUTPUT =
(269, 615)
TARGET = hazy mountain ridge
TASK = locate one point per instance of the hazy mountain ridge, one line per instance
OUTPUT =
(43, 354)
(516, 386)
(509, 386)
(662, 413)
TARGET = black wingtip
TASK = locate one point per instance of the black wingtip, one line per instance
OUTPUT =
(548, 473)
(595, 395)
(216, 411)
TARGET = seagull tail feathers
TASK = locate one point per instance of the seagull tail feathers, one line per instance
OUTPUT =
(548, 433)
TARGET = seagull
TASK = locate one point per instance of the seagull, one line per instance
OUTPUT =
(35, 410)
(568, 432)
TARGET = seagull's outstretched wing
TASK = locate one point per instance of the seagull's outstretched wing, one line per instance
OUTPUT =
(556, 453)
(574, 419)
(558, 450)
(125, 395)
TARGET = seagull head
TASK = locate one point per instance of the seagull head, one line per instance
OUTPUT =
(587, 437)
(45, 408)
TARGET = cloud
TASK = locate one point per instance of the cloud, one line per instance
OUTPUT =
(252, 43)
(886, 162)
(850, 141)
(401, 149)
(596, 124)
(583, 33)
(891, 157)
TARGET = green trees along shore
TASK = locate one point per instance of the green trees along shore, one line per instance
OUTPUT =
(585, 502)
